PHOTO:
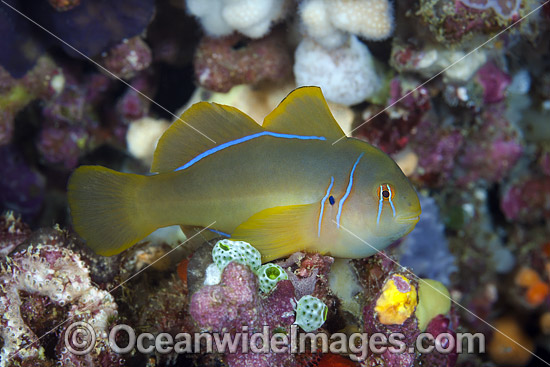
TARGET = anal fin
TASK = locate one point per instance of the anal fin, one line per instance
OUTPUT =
(280, 231)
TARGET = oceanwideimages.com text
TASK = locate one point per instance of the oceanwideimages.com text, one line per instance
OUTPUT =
(80, 338)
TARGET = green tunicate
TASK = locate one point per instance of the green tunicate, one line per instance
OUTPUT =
(433, 300)
(269, 275)
(226, 251)
(311, 313)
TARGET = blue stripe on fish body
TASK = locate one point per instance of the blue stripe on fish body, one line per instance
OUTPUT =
(219, 232)
(245, 139)
(323, 205)
(348, 190)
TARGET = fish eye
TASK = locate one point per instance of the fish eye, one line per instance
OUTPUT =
(385, 195)
(385, 192)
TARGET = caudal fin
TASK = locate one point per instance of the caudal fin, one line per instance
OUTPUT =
(105, 208)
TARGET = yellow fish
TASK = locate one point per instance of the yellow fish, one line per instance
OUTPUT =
(283, 187)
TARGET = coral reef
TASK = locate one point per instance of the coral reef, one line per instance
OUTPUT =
(21, 187)
(13, 232)
(346, 74)
(223, 63)
(223, 17)
(235, 306)
(52, 273)
(469, 129)
(329, 22)
(426, 250)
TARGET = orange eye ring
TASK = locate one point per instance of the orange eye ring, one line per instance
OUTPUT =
(385, 192)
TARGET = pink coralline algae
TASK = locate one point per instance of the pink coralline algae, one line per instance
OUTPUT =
(128, 58)
(133, 105)
(391, 131)
(494, 82)
(491, 151)
(527, 201)
(439, 325)
(235, 303)
(437, 149)
(44, 276)
(221, 63)
(61, 145)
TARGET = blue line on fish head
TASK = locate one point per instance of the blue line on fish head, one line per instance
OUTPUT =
(382, 206)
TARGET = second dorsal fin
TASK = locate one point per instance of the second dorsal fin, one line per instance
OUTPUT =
(304, 112)
(201, 127)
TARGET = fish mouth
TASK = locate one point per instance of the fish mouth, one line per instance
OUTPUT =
(409, 219)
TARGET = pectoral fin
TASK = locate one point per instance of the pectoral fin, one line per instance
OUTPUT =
(280, 231)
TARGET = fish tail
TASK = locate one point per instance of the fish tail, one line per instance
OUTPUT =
(106, 209)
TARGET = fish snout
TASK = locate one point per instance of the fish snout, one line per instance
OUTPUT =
(411, 218)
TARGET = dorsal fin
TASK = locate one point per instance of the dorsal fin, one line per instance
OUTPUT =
(201, 127)
(304, 112)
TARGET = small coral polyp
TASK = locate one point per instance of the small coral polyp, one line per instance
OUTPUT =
(397, 301)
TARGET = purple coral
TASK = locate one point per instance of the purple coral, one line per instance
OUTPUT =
(527, 201)
(391, 131)
(128, 58)
(437, 149)
(221, 63)
(91, 27)
(494, 82)
(61, 145)
(235, 302)
(439, 325)
(492, 150)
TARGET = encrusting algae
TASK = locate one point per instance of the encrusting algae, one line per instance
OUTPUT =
(295, 183)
